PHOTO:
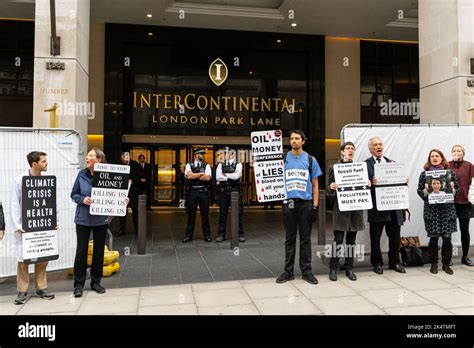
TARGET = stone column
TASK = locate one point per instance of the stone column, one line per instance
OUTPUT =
(67, 88)
(446, 44)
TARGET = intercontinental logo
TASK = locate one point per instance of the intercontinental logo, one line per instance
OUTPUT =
(218, 72)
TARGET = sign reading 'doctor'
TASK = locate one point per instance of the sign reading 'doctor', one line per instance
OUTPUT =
(391, 192)
(109, 189)
(353, 192)
(267, 152)
(39, 218)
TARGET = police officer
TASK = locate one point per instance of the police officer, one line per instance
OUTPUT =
(301, 206)
(228, 176)
(198, 174)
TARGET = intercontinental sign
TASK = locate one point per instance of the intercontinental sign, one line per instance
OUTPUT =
(200, 109)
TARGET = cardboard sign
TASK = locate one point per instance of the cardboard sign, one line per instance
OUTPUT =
(110, 186)
(39, 218)
(391, 192)
(440, 186)
(353, 192)
(267, 152)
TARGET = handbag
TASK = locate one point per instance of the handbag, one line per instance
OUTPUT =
(410, 241)
(412, 256)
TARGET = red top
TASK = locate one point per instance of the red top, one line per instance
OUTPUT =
(465, 172)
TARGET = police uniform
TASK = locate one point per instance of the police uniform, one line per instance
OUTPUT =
(228, 180)
(197, 193)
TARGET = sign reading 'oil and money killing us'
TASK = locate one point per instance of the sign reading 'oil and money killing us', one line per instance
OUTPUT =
(267, 152)
(39, 218)
(391, 192)
(110, 185)
(353, 191)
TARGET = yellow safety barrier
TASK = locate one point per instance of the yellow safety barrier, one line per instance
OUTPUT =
(111, 264)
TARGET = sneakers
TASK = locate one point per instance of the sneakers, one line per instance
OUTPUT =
(284, 277)
(98, 288)
(241, 238)
(44, 294)
(310, 278)
(220, 238)
(21, 298)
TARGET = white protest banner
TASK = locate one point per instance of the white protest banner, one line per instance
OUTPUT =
(353, 192)
(391, 192)
(440, 186)
(267, 152)
(39, 219)
(109, 189)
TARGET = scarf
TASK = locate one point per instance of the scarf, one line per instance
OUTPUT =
(437, 167)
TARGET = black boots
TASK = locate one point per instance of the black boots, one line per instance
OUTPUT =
(433, 252)
(446, 254)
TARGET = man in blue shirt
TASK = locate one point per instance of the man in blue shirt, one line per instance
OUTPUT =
(301, 206)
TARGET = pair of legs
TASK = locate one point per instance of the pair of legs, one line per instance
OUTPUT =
(446, 254)
(123, 222)
(23, 281)
(392, 229)
(349, 258)
(99, 234)
(297, 217)
(465, 239)
(196, 197)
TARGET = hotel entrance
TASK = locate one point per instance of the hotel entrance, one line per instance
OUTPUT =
(168, 162)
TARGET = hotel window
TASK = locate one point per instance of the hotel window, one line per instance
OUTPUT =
(389, 82)
(16, 73)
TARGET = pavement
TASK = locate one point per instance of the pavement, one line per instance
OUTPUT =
(210, 278)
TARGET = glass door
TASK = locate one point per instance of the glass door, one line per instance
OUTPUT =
(164, 176)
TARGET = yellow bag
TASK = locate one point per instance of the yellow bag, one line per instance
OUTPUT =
(111, 269)
(109, 257)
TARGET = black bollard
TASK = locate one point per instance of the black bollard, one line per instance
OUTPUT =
(234, 219)
(141, 224)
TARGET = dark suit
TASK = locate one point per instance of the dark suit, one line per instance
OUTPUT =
(144, 187)
(132, 196)
(390, 219)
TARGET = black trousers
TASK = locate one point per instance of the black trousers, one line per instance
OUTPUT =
(465, 238)
(224, 204)
(99, 234)
(195, 197)
(392, 229)
(348, 255)
(297, 216)
(123, 221)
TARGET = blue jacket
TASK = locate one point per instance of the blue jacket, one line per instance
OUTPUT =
(83, 188)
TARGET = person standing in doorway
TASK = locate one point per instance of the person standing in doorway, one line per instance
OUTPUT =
(464, 209)
(144, 171)
(38, 164)
(391, 220)
(198, 175)
(132, 193)
(301, 206)
(228, 176)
